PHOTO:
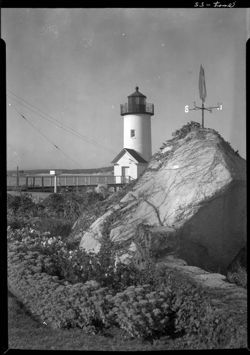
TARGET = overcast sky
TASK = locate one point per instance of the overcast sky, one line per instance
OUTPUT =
(73, 68)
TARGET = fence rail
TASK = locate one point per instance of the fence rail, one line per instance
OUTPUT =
(32, 181)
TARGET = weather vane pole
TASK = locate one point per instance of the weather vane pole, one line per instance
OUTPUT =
(203, 95)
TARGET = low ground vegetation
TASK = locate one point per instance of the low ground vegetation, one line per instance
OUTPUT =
(196, 126)
(237, 270)
(64, 287)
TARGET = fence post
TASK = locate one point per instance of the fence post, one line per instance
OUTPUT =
(55, 183)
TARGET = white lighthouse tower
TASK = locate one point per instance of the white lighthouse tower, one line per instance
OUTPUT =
(137, 147)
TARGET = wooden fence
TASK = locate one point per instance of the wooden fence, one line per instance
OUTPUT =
(45, 181)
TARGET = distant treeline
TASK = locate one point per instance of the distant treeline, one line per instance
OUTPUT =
(105, 169)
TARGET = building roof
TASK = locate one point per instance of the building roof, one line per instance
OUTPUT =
(137, 93)
(132, 152)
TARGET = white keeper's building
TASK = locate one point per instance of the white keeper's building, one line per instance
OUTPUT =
(137, 148)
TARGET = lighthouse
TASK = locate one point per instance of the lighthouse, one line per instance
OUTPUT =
(137, 147)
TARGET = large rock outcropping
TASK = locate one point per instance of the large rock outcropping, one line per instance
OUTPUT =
(190, 201)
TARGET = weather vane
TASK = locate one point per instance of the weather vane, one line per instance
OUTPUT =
(203, 94)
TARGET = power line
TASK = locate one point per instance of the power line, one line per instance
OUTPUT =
(58, 123)
(64, 127)
(49, 120)
(42, 134)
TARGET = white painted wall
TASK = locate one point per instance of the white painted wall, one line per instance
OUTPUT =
(117, 170)
(135, 169)
(141, 142)
(126, 160)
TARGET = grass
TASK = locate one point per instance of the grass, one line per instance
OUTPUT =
(26, 333)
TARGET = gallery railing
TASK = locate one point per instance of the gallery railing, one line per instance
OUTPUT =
(127, 109)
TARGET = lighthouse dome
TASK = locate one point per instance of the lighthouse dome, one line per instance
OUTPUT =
(137, 104)
(137, 93)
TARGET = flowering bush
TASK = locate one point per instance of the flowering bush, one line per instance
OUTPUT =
(74, 265)
(85, 305)
(56, 302)
(56, 213)
(33, 272)
(53, 282)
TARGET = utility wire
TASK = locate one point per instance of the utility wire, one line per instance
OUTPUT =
(57, 123)
(52, 120)
(66, 128)
(47, 119)
(42, 134)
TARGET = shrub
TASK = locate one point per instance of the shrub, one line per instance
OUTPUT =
(142, 313)
(196, 318)
(237, 269)
(10, 199)
(183, 131)
(36, 270)
(73, 265)
(124, 276)
(69, 305)
(190, 307)
(56, 226)
(54, 201)
(16, 223)
(103, 302)
(22, 204)
(69, 205)
(239, 277)
(166, 303)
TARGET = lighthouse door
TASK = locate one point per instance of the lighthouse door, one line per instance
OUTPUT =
(125, 174)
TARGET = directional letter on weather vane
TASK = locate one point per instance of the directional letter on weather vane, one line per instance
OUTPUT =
(203, 95)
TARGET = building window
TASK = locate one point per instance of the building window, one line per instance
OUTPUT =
(132, 133)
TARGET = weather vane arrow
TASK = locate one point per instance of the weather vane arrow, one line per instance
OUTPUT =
(203, 95)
